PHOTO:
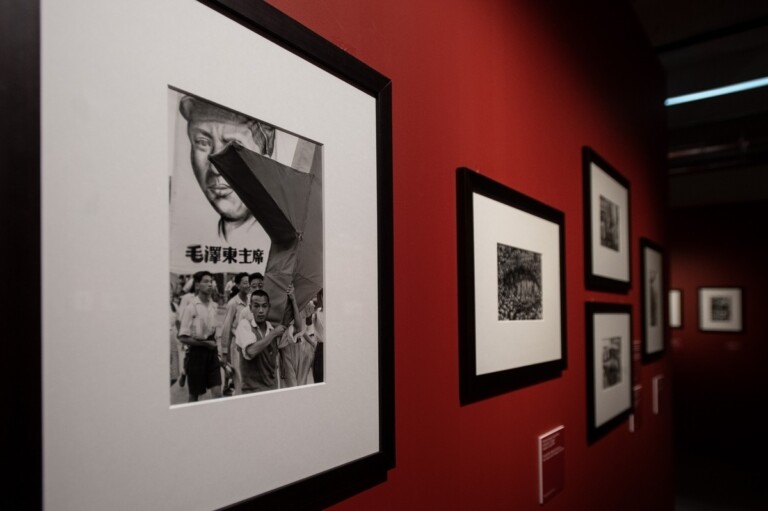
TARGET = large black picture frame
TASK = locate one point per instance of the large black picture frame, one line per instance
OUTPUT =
(607, 224)
(483, 334)
(20, 95)
(20, 167)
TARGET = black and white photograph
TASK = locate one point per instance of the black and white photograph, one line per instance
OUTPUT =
(246, 233)
(611, 361)
(609, 366)
(653, 293)
(221, 200)
(721, 309)
(609, 224)
(654, 297)
(606, 225)
(511, 288)
(519, 284)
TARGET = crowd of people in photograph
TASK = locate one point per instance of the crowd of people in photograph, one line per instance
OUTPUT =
(243, 352)
(519, 284)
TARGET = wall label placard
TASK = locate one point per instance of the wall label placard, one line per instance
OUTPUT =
(658, 386)
(551, 463)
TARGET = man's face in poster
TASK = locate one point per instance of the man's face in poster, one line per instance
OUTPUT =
(210, 129)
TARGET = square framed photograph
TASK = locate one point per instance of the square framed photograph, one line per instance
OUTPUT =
(652, 265)
(511, 288)
(720, 309)
(221, 232)
(606, 225)
(609, 366)
(675, 308)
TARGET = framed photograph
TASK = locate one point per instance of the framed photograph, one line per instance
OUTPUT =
(720, 309)
(606, 225)
(652, 264)
(511, 288)
(675, 308)
(609, 366)
(217, 223)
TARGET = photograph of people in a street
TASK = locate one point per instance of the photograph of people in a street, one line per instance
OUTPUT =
(519, 283)
(246, 253)
(609, 224)
(611, 361)
(721, 308)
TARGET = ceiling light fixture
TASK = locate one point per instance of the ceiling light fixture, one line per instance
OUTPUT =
(719, 91)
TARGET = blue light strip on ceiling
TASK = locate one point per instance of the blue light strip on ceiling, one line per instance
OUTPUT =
(720, 91)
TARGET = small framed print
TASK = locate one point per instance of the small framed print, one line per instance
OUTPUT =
(720, 309)
(609, 366)
(606, 225)
(511, 288)
(652, 264)
(675, 308)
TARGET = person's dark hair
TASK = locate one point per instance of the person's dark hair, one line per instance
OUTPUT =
(256, 275)
(199, 276)
(259, 292)
(240, 276)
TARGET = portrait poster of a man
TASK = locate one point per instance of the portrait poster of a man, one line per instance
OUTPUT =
(214, 230)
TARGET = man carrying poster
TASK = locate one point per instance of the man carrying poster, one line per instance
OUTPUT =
(259, 346)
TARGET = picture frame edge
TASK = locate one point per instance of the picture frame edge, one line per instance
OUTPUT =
(472, 387)
(592, 281)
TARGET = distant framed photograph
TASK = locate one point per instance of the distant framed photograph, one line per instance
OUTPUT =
(609, 366)
(652, 264)
(511, 288)
(606, 225)
(720, 309)
(675, 308)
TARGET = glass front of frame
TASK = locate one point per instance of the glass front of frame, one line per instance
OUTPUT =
(609, 366)
(222, 256)
(512, 277)
(606, 225)
(652, 261)
(141, 122)
(720, 309)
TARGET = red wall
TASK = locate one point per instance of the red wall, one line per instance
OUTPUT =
(720, 378)
(513, 90)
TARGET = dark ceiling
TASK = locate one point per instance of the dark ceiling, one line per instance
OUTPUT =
(718, 147)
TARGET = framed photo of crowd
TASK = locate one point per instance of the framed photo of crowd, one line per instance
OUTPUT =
(609, 366)
(511, 288)
(213, 284)
(607, 240)
(720, 309)
(652, 264)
